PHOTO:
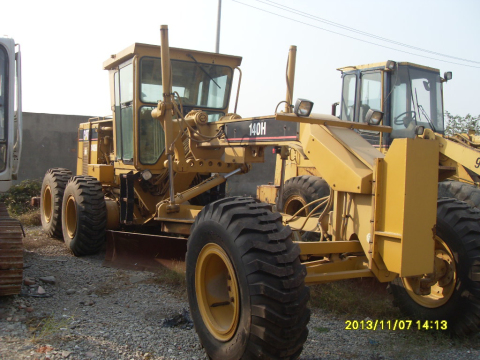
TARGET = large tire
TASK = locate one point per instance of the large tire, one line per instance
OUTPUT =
(298, 192)
(456, 296)
(460, 191)
(53, 187)
(246, 285)
(84, 215)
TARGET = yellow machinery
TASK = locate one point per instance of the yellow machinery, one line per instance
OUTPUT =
(151, 177)
(11, 247)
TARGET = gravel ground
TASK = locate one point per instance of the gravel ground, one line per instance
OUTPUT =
(82, 310)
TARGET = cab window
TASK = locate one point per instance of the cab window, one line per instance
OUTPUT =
(348, 97)
(124, 112)
(370, 94)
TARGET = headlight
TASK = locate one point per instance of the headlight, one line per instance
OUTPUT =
(374, 117)
(146, 175)
(390, 65)
(419, 130)
(303, 107)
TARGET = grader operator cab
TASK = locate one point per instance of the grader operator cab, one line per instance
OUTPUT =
(152, 175)
(11, 247)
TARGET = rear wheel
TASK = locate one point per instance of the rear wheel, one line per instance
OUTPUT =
(300, 191)
(84, 215)
(460, 191)
(246, 286)
(455, 285)
(53, 187)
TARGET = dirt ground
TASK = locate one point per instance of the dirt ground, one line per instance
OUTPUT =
(74, 308)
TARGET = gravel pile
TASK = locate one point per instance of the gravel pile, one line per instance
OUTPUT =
(73, 308)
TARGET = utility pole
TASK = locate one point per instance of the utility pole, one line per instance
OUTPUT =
(219, 15)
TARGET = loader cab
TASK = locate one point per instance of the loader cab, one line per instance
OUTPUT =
(200, 80)
(409, 95)
(10, 112)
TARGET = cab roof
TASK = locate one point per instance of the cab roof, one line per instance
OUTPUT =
(383, 65)
(175, 54)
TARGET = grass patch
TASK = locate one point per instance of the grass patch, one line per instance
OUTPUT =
(175, 279)
(31, 218)
(18, 198)
(356, 298)
(321, 329)
(168, 277)
(42, 328)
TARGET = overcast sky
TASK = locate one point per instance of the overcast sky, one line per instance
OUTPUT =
(64, 44)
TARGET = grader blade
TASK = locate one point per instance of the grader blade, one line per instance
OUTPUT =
(133, 251)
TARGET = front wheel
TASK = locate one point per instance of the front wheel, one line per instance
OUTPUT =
(246, 285)
(454, 287)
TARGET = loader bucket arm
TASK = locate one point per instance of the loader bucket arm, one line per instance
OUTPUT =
(456, 152)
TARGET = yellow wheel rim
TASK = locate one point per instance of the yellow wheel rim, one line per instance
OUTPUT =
(445, 276)
(217, 292)
(293, 204)
(47, 204)
(71, 216)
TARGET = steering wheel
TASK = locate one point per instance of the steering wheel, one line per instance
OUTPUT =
(406, 120)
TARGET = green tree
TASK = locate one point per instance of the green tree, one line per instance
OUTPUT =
(461, 124)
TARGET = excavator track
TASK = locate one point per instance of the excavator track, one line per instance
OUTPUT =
(11, 254)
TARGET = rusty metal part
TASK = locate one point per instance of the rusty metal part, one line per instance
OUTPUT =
(133, 251)
(11, 254)
(35, 201)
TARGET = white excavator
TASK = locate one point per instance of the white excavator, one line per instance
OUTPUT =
(11, 246)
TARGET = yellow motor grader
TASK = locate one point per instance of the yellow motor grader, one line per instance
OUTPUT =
(150, 179)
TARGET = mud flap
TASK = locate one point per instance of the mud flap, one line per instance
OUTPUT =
(133, 251)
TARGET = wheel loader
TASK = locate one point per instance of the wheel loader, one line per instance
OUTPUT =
(410, 96)
(150, 178)
(11, 233)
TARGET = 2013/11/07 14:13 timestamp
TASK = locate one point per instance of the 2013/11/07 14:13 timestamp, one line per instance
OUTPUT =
(396, 325)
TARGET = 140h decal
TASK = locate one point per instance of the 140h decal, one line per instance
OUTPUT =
(258, 129)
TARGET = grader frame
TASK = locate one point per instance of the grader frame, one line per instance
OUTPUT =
(153, 170)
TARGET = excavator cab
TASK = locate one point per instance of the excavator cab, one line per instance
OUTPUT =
(409, 95)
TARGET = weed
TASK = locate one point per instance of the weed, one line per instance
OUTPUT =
(321, 329)
(46, 327)
(30, 218)
(354, 298)
(18, 198)
(175, 278)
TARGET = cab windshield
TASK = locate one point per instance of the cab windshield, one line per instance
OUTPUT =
(416, 99)
(198, 85)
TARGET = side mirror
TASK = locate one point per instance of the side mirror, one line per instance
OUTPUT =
(334, 108)
(447, 75)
